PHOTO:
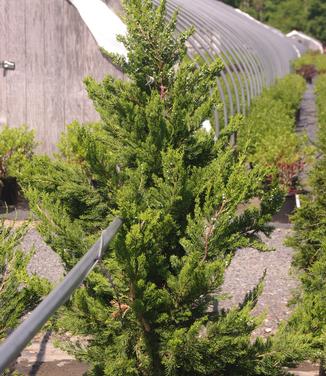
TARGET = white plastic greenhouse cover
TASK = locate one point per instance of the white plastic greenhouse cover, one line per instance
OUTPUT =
(314, 43)
(254, 55)
(103, 23)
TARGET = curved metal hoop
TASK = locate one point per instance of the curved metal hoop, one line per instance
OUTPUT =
(254, 55)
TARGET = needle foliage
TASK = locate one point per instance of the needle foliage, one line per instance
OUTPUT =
(185, 201)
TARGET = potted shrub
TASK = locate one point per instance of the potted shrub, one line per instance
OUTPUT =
(16, 144)
(289, 175)
(308, 72)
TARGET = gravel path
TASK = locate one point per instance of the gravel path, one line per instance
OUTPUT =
(245, 271)
(44, 262)
(41, 357)
(308, 113)
(307, 123)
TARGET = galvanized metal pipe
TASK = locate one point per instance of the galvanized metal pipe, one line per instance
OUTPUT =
(18, 340)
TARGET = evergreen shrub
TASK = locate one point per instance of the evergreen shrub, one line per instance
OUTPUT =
(268, 133)
(147, 308)
(16, 144)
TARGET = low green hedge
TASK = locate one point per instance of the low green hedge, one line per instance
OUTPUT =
(268, 132)
(321, 110)
(315, 59)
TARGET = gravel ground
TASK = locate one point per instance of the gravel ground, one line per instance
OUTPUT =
(307, 123)
(44, 262)
(19, 212)
(245, 271)
(308, 114)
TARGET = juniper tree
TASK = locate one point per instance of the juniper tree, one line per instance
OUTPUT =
(185, 202)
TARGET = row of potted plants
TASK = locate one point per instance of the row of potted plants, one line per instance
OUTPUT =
(271, 129)
(309, 65)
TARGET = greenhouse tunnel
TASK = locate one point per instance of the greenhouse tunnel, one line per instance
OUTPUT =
(254, 54)
(55, 44)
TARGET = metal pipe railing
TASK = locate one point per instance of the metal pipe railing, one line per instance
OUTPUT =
(18, 340)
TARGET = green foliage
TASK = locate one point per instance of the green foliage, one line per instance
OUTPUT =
(73, 185)
(184, 199)
(317, 60)
(157, 61)
(321, 111)
(286, 15)
(308, 16)
(19, 292)
(316, 22)
(16, 144)
(309, 241)
(269, 133)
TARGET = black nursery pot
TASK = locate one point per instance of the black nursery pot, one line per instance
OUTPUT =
(9, 193)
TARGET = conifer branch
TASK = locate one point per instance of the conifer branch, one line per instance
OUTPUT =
(208, 232)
